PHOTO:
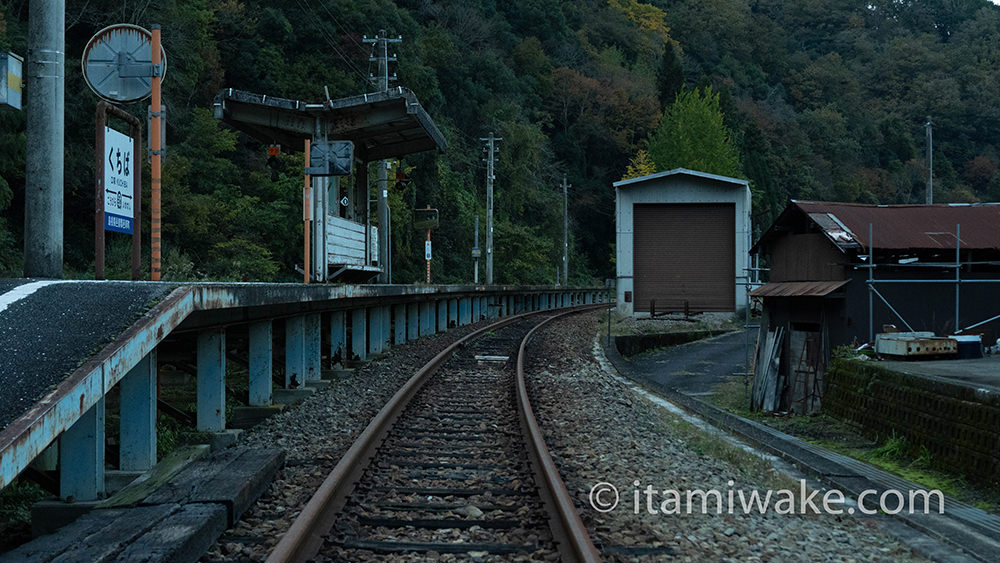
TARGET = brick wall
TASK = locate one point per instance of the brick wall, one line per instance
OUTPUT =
(959, 425)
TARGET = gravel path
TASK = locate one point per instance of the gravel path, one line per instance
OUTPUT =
(602, 432)
(316, 433)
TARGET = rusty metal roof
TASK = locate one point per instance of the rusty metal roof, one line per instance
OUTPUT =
(382, 125)
(899, 227)
(798, 289)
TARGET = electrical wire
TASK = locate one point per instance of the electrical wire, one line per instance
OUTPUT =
(330, 40)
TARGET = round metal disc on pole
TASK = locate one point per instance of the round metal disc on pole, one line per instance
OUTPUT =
(117, 63)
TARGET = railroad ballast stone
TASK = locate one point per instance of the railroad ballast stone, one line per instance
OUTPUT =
(315, 434)
(599, 430)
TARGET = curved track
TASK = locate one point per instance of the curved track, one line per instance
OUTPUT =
(454, 463)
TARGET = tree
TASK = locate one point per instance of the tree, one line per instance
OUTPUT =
(670, 78)
(692, 135)
(640, 165)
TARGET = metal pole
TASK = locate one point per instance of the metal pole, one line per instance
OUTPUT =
(383, 221)
(489, 213)
(871, 286)
(44, 148)
(475, 277)
(565, 263)
(930, 160)
(156, 152)
(99, 122)
(136, 199)
(306, 203)
(428, 262)
(958, 269)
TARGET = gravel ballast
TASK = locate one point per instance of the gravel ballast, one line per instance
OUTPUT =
(601, 431)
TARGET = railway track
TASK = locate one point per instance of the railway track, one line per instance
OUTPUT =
(454, 463)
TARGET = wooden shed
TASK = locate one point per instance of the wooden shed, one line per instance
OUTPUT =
(682, 241)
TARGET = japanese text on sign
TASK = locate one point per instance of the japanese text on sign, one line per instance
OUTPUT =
(118, 181)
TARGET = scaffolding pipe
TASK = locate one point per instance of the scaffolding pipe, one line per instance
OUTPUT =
(891, 308)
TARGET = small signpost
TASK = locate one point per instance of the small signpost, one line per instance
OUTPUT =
(124, 63)
(117, 185)
(426, 219)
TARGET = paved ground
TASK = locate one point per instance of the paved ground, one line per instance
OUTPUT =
(695, 368)
(981, 372)
(46, 335)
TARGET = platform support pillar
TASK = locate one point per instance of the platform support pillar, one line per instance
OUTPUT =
(212, 380)
(375, 330)
(442, 315)
(138, 416)
(261, 363)
(428, 322)
(464, 311)
(81, 457)
(295, 352)
(313, 346)
(414, 316)
(359, 328)
(399, 329)
(338, 337)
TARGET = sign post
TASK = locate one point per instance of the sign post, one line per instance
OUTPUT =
(426, 219)
(117, 185)
(125, 63)
(156, 152)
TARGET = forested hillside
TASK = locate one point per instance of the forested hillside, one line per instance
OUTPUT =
(820, 99)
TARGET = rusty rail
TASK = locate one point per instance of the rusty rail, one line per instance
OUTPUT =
(304, 538)
(570, 534)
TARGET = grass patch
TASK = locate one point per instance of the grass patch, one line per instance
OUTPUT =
(893, 454)
(15, 512)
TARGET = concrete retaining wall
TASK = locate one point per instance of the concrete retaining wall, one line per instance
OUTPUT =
(959, 425)
(634, 344)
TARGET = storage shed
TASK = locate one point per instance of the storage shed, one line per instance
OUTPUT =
(682, 242)
(841, 272)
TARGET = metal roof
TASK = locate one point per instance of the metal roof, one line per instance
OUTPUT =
(381, 125)
(681, 171)
(798, 289)
(897, 227)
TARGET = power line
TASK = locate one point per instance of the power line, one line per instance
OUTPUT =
(329, 39)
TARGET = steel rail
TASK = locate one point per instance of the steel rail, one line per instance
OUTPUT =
(571, 535)
(304, 538)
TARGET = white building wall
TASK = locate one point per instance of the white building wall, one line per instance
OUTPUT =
(679, 186)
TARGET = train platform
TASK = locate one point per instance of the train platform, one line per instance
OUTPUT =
(49, 327)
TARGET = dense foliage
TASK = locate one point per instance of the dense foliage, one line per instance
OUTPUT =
(823, 99)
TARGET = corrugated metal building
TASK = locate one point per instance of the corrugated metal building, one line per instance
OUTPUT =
(682, 241)
(821, 258)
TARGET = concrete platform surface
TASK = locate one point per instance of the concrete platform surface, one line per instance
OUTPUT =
(979, 373)
(49, 327)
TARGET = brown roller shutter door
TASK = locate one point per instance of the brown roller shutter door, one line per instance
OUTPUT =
(684, 252)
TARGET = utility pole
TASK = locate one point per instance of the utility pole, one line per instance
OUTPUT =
(381, 55)
(565, 188)
(45, 99)
(930, 160)
(475, 255)
(490, 149)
